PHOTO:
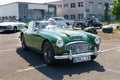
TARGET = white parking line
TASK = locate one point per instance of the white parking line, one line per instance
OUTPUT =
(31, 68)
(23, 70)
(115, 71)
(110, 44)
(9, 46)
(110, 49)
(43, 65)
(7, 38)
(114, 40)
(1, 51)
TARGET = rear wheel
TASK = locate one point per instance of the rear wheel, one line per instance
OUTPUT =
(23, 43)
(48, 53)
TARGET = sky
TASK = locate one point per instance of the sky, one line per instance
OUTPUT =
(2, 2)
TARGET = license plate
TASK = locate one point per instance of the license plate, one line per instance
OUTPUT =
(81, 59)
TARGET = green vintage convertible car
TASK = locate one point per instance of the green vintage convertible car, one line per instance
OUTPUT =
(60, 43)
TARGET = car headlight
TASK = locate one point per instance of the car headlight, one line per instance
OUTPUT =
(59, 43)
(97, 40)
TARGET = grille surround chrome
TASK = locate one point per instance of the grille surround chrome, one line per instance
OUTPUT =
(3, 27)
(78, 46)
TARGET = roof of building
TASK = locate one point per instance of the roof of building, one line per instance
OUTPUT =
(27, 3)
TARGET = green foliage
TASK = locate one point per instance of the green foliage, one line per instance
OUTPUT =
(115, 11)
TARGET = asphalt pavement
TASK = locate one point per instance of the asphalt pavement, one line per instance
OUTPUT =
(17, 64)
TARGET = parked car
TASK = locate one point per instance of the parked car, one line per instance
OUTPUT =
(11, 26)
(60, 44)
(68, 22)
(94, 22)
(83, 26)
(118, 26)
(98, 24)
(79, 24)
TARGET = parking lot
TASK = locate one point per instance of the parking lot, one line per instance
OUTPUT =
(17, 64)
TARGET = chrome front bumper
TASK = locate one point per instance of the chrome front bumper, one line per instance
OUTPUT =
(70, 56)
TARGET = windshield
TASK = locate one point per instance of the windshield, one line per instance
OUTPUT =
(58, 25)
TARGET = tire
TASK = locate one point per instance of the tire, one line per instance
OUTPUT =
(67, 24)
(24, 47)
(15, 29)
(91, 30)
(48, 53)
(107, 30)
(117, 27)
(82, 27)
(100, 26)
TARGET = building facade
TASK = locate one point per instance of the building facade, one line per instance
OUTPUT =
(81, 9)
(20, 10)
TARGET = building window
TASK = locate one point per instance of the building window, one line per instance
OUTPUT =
(3, 18)
(65, 5)
(99, 5)
(87, 10)
(80, 4)
(66, 16)
(72, 17)
(72, 5)
(90, 4)
(59, 6)
(80, 16)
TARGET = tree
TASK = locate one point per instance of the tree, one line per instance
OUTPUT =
(115, 11)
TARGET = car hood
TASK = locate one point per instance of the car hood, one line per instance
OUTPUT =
(7, 23)
(68, 35)
(63, 32)
(10, 23)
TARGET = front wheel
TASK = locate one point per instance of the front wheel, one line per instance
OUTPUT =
(15, 29)
(48, 53)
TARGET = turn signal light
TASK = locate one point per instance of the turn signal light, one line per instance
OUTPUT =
(60, 51)
(97, 47)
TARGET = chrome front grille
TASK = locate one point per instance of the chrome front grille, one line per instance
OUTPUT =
(78, 46)
(3, 27)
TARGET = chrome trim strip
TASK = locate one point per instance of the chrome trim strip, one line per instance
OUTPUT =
(76, 44)
(70, 56)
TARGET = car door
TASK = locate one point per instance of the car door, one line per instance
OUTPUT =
(36, 39)
(28, 33)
